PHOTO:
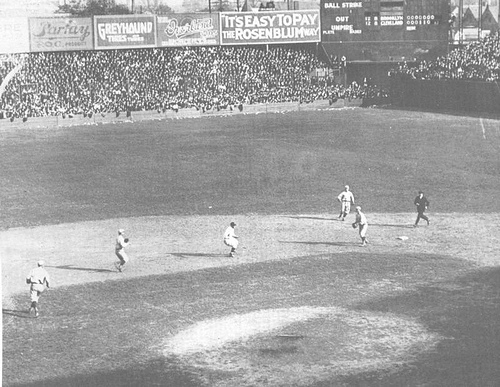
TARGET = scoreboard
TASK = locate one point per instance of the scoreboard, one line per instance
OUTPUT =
(385, 29)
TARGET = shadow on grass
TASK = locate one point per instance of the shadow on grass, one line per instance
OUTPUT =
(16, 313)
(391, 225)
(465, 311)
(89, 269)
(156, 373)
(312, 217)
(322, 243)
(461, 113)
(187, 255)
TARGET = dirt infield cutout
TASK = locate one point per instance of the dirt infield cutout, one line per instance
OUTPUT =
(83, 252)
(306, 344)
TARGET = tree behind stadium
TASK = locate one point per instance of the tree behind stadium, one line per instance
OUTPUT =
(93, 7)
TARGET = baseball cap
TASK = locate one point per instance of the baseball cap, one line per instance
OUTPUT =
(233, 224)
(121, 231)
(41, 263)
(358, 208)
(346, 186)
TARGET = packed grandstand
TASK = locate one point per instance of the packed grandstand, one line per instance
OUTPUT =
(205, 78)
(478, 61)
(90, 82)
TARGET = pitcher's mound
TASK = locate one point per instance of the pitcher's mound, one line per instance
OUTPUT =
(300, 345)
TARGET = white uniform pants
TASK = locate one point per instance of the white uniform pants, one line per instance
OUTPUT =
(345, 207)
(35, 291)
(231, 242)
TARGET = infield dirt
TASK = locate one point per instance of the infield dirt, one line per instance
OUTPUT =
(84, 252)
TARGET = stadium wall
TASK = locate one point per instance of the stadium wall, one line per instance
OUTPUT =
(447, 95)
(375, 73)
(66, 121)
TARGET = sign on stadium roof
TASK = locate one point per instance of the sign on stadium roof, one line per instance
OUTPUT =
(124, 31)
(270, 27)
(188, 29)
(60, 34)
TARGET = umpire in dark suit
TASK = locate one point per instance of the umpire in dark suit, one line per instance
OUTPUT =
(422, 203)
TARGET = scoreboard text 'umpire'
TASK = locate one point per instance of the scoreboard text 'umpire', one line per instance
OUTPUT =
(391, 28)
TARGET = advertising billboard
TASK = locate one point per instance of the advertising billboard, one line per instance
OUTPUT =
(124, 31)
(270, 27)
(60, 34)
(188, 29)
(14, 35)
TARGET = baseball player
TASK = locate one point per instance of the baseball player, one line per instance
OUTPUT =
(38, 279)
(362, 224)
(121, 243)
(422, 203)
(346, 198)
(230, 239)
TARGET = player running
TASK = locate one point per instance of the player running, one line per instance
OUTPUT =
(121, 243)
(422, 203)
(230, 239)
(362, 224)
(38, 279)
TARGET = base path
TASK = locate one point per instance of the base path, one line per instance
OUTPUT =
(83, 252)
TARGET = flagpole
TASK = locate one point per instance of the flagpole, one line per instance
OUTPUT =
(460, 22)
(480, 20)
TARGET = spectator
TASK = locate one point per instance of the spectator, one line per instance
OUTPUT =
(205, 78)
(479, 61)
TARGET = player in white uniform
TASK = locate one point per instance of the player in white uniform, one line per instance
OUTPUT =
(121, 243)
(38, 279)
(362, 223)
(346, 198)
(230, 239)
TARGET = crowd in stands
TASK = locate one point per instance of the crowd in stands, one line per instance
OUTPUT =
(205, 78)
(478, 61)
(93, 82)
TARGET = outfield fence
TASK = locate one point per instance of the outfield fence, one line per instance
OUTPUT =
(80, 119)
(447, 95)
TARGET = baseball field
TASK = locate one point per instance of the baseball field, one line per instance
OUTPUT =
(301, 303)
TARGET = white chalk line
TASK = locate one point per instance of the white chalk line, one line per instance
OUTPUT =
(482, 127)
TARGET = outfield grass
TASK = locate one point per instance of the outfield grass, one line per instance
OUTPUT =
(415, 313)
(268, 163)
